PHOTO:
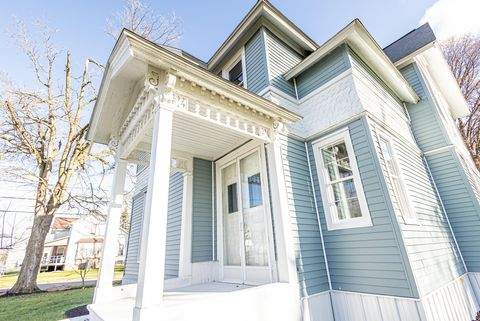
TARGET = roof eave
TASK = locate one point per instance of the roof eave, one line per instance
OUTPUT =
(358, 37)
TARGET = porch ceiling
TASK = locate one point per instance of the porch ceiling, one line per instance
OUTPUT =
(198, 138)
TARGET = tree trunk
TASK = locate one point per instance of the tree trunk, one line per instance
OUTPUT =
(27, 279)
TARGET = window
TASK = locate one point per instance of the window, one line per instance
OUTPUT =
(232, 198)
(254, 190)
(235, 74)
(399, 196)
(340, 184)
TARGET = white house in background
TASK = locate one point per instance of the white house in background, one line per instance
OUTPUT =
(286, 180)
(71, 241)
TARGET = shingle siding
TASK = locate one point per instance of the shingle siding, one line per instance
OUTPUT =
(202, 212)
(367, 259)
(322, 72)
(174, 221)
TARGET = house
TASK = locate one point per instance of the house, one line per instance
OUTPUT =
(72, 240)
(286, 180)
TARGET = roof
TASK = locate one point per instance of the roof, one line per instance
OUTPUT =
(411, 42)
(62, 223)
(265, 9)
(360, 40)
(91, 239)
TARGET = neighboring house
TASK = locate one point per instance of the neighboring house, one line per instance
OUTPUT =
(72, 241)
(286, 180)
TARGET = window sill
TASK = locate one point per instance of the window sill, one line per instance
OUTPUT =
(353, 223)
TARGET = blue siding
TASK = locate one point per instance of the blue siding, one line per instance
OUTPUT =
(460, 202)
(370, 259)
(308, 247)
(202, 211)
(281, 58)
(174, 225)
(174, 221)
(430, 245)
(256, 63)
(323, 71)
(425, 120)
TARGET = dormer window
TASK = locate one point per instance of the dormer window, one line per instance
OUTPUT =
(235, 74)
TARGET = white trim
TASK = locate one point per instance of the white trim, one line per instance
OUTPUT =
(408, 219)
(239, 56)
(185, 264)
(332, 223)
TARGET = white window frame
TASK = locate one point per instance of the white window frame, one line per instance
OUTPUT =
(229, 66)
(330, 213)
(403, 199)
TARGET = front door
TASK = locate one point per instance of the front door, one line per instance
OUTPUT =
(243, 214)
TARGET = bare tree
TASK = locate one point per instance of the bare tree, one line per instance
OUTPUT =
(43, 139)
(463, 56)
(139, 17)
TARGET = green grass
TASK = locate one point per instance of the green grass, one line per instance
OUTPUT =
(47, 306)
(8, 280)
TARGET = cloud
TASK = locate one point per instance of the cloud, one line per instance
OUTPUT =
(453, 17)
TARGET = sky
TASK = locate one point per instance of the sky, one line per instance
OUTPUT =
(80, 25)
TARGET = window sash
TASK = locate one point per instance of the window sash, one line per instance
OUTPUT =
(358, 214)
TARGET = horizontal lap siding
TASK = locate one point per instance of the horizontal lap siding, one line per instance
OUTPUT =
(460, 203)
(425, 120)
(256, 63)
(281, 58)
(323, 71)
(202, 211)
(430, 244)
(174, 225)
(367, 259)
(174, 222)
(308, 247)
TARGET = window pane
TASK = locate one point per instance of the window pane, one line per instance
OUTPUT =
(254, 190)
(235, 74)
(337, 162)
(232, 198)
(346, 200)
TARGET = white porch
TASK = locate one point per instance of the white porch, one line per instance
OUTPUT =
(211, 301)
(158, 105)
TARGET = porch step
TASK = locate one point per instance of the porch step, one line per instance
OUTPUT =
(213, 302)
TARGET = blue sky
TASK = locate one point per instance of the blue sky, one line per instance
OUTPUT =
(206, 24)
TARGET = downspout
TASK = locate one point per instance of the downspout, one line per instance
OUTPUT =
(438, 195)
(320, 229)
(295, 86)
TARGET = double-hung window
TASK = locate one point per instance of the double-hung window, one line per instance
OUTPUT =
(397, 188)
(340, 184)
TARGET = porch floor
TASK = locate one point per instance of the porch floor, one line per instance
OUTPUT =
(210, 301)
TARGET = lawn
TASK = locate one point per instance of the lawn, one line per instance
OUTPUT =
(46, 306)
(8, 280)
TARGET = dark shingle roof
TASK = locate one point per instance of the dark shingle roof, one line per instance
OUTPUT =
(409, 43)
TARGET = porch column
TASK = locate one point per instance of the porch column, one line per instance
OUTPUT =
(287, 270)
(109, 252)
(152, 256)
(185, 264)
